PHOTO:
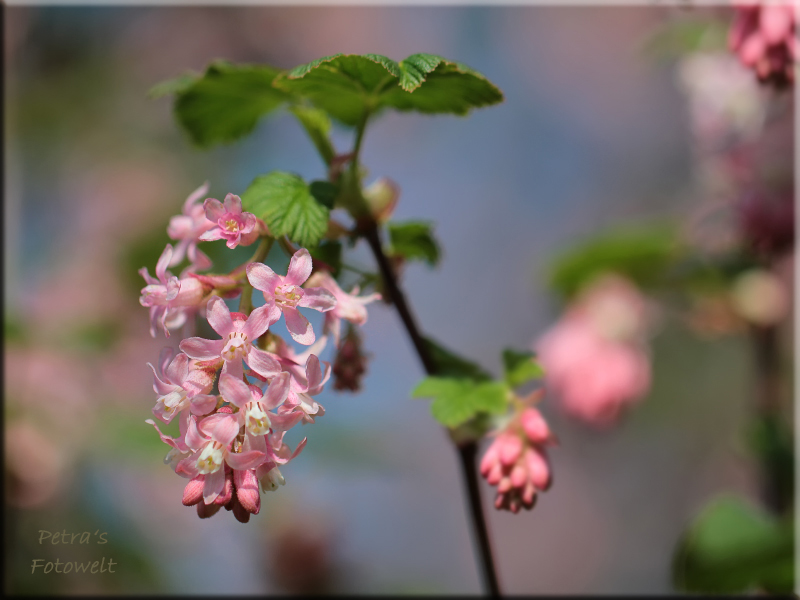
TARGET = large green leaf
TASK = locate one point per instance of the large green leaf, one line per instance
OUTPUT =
(288, 206)
(643, 253)
(350, 86)
(225, 103)
(413, 240)
(733, 547)
(456, 401)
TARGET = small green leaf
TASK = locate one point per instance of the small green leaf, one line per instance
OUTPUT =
(413, 240)
(456, 401)
(520, 367)
(173, 86)
(226, 102)
(348, 87)
(450, 364)
(325, 192)
(330, 253)
(733, 547)
(643, 253)
(317, 125)
(288, 207)
(681, 37)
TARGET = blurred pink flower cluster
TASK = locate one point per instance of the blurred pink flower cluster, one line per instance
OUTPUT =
(763, 36)
(231, 441)
(595, 357)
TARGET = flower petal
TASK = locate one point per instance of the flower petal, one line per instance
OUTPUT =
(194, 197)
(233, 204)
(263, 363)
(214, 209)
(213, 485)
(194, 439)
(163, 263)
(263, 278)
(245, 460)
(318, 298)
(221, 427)
(258, 322)
(203, 404)
(298, 326)
(219, 316)
(178, 369)
(299, 268)
(201, 349)
(234, 390)
(277, 391)
(212, 235)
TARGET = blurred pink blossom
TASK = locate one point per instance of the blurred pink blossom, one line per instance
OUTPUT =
(594, 357)
(763, 36)
(187, 228)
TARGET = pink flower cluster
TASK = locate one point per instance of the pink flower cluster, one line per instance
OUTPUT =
(595, 356)
(763, 36)
(517, 463)
(231, 440)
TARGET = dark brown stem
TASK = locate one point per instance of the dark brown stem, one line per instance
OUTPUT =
(467, 451)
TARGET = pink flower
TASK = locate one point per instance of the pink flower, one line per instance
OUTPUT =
(594, 357)
(169, 299)
(284, 294)
(302, 388)
(237, 343)
(210, 442)
(180, 384)
(188, 227)
(231, 223)
(517, 463)
(254, 406)
(763, 37)
(349, 307)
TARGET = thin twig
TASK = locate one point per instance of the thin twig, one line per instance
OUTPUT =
(467, 451)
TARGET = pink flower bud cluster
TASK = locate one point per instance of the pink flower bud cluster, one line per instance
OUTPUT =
(231, 439)
(763, 36)
(517, 463)
(595, 356)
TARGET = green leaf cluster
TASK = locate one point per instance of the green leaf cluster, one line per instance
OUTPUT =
(463, 391)
(413, 240)
(349, 86)
(734, 547)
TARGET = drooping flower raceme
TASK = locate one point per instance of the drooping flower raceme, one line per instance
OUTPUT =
(516, 461)
(595, 357)
(283, 294)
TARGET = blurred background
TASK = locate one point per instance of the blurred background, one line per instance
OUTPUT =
(595, 131)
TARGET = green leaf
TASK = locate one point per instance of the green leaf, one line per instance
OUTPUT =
(456, 401)
(174, 86)
(520, 367)
(734, 547)
(413, 240)
(351, 86)
(450, 364)
(643, 253)
(330, 253)
(325, 192)
(288, 206)
(226, 102)
(318, 126)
